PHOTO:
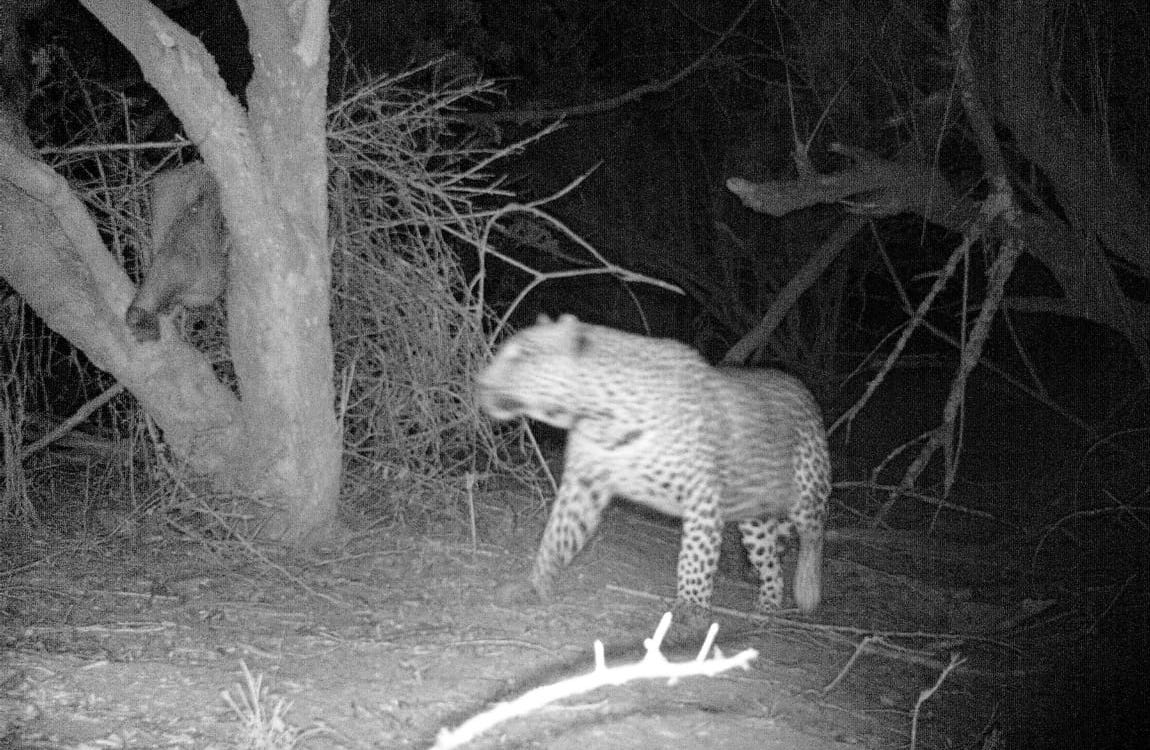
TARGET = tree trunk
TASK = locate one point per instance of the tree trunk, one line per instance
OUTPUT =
(282, 440)
(1104, 207)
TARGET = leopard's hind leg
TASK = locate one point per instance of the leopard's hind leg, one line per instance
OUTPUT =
(762, 537)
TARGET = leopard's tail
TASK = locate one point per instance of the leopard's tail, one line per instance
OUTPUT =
(809, 572)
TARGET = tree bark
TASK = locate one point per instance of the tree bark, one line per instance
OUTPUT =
(270, 162)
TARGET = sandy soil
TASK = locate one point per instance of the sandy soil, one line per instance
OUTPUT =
(130, 643)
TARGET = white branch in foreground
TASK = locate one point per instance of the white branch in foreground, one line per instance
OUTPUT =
(652, 666)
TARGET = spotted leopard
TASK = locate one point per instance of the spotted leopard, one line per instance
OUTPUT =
(649, 420)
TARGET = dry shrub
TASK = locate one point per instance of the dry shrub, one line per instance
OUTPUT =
(406, 209)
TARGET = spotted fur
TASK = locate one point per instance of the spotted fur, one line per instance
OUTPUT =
(651, 421)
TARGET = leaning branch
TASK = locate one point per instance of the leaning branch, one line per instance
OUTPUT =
(873, 187)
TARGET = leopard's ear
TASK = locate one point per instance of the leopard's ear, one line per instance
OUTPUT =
(569, 324)
(575, 333)
(543, 320)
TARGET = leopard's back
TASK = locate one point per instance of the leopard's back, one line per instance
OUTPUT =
(771, 431)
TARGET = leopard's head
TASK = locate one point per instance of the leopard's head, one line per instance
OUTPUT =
(535, 373)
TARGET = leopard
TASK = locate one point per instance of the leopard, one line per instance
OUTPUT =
(651, 421)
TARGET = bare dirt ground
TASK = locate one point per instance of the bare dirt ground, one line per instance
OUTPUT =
(125, 643)
(131, 640)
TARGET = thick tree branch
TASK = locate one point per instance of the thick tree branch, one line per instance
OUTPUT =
(178, 66)
(54, 258)
(873, 187)
(879, 187)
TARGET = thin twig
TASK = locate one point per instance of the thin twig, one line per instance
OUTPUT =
(524, 116)
(850, 662)
(955, 662)
(70, 423)
(847, 635)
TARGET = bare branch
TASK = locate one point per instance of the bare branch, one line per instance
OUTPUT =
(524, 116)
(873, 187)
(816, 264)
(653, 666)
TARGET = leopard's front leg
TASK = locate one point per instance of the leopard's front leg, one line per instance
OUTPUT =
(698, 557)
(579, 505)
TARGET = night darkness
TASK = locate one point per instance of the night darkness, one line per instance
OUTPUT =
(934, 215)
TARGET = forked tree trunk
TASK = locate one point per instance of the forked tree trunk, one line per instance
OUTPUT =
(281, 440)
